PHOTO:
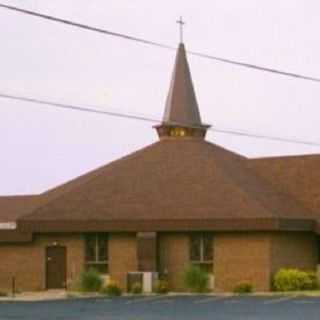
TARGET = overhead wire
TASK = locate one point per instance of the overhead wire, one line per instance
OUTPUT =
(148, 42)
(114, 113)
(157, 44)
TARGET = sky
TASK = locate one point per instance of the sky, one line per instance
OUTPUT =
(41, 147)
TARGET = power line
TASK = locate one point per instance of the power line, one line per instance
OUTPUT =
(151, 119)
(256, 67)
(266, 137)
(157, 44)
(84, 26)
(76, 108)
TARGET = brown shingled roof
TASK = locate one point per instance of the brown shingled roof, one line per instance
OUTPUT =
(181, 105)
(296, 176)
(174, 184)
(13, 207)
(177, 184)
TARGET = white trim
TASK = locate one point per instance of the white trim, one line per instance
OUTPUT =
(8, 226)
(211, 299)
(279, 300)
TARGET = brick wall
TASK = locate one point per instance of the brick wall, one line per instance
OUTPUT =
(252, 257)
(122, 257)
(255, 257)
(26, 262)
(174, 257)
(241, 257)
(294, 250)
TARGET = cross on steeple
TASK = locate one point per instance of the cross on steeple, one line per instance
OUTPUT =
(181, 118)
(181, 24)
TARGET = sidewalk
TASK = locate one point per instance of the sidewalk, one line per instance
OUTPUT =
(37, 296)
(63, 295)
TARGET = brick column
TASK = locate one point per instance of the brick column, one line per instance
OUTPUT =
(122, 257)
(174, 258)
(147, 251)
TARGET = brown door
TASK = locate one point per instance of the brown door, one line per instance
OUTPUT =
(56, 267)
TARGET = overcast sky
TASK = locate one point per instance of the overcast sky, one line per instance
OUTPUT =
(42, 147)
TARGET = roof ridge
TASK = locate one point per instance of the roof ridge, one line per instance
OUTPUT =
(262, 183)
(287, 157)
(97, 172)
(19, 196)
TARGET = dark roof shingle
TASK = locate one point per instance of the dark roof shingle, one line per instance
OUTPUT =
(172, 180)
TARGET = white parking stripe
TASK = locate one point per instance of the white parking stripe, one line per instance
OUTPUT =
(211, 299)
(232, 301)
(279, 300)
(162, 301)
(305, 301)
(145, 299)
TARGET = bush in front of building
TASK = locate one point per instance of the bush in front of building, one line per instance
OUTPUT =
(243, 288)
(196, 279)
(294, 280)
(314, 282)
(111, 289)
(90, 281)
(161, 287)
(136, 288)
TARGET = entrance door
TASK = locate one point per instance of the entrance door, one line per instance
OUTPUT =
(56, 267)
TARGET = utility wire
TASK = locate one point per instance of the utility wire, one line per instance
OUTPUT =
(157, 44)
(151, 119)
(256, 67)
(76, 108)
(84, 26)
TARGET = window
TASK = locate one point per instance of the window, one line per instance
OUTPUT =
(177, 132)
(201, 248)
(96, 254)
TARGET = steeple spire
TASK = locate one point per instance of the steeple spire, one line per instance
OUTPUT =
(181, 116)
(181, 105)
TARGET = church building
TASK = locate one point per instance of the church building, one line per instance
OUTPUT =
(179, 201)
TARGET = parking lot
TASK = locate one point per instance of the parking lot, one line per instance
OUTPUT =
(166, 308)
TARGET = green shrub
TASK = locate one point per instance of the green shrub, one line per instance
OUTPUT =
(243, 287)
(3, 294)
(90, 281)
(111, 289)
(196, 279)
(313, 281)
(161, 286)
(294, 280)
(136, 288)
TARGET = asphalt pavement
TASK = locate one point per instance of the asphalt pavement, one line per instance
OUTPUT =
(167, 308)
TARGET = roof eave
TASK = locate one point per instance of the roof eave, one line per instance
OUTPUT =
(216, 225)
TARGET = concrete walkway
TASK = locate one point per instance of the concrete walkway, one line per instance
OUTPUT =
(63, 295)
(37, 296)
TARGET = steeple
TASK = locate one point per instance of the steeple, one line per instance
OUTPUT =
(181, 116)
